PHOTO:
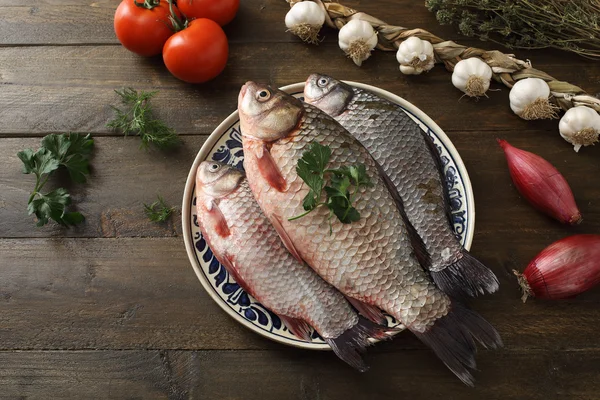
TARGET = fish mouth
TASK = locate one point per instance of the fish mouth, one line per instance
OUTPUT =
(245, 87)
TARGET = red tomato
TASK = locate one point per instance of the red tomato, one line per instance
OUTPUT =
(220, 11)
(198, 53)
(141, 30)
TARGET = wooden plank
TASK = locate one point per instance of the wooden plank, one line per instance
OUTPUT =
(130, 293)
(119, 163)
(48, 89)
(292, 374)
(123, 178)
(68, 22)
(113, 293)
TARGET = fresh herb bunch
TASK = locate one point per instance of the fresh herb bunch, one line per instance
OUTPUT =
(343, 184)
(572, 25)
(138, 119)
(158, 211)
(69, 150)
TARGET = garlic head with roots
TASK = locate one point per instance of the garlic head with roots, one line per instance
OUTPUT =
(305, 19)
(580, 126)
(472, 76)
(357, 38)
(415, 56)
(529, 99)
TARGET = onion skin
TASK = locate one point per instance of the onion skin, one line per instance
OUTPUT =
(541, 184)
(564, 269)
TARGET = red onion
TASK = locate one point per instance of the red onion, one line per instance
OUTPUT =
(541, 184)
(564, 269)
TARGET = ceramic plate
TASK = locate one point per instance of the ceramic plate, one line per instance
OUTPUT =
(225, 145)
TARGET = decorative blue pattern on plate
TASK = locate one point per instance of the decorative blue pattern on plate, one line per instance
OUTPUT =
(227, 148)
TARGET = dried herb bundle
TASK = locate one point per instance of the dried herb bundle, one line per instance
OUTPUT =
(572, 25)
(507, 68)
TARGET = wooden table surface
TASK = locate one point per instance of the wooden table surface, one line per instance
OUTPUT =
(113, 309)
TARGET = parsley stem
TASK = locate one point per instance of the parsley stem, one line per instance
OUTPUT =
(306, 212)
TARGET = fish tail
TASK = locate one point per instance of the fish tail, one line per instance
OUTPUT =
(351, 344)
(452, 338)
(467, 277)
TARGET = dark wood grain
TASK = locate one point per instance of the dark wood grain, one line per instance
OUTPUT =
(68, 22)
(120, 163)
(130, 293)
(291, 374)
(113, 309)
(71, 88)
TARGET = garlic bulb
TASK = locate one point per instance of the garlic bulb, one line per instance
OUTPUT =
(305, 20)
(472, 76)
(529, 99)
(357, 38)
(580, 126)
(415, 56)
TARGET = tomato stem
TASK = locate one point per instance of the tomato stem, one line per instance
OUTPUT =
(178, 23)
(147, 4)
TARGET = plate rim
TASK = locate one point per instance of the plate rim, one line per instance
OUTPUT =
(213, 138)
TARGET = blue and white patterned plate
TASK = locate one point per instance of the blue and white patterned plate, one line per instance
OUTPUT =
(225, 145)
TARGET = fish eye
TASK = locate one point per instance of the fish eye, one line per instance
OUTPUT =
(322, 82)
(263, 95)
(214, 167)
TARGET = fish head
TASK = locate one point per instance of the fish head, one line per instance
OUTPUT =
(328, 94)
(216, 180)
(266, 113)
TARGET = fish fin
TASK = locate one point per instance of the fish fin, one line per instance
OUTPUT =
(269, 169)
(466, 277)
(451, 338)
(285, 238)
(217, 220)
(229, 265)
(371, 312)
(298, 327)
(435, 154)
(415, 240)
(351, 344)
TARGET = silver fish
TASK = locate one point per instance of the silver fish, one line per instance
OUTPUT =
(371, 260)
(243, 240)
(407, 157)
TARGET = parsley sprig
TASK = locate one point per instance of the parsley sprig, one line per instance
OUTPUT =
(158, 211)
(69, 150)
(138, 119)
(341, 190)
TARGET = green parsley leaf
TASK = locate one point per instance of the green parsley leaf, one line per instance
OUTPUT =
(53, 206)
(39, 163)
(158, 211)
(312, 169)
(71, 151)
(138, 119)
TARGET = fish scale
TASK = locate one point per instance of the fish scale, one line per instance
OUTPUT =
(245, 242)
(406, 156)
(410, 166)
(365, 274)
(371, 260)
(280, 281)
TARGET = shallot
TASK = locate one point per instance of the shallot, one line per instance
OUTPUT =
(541, 184)
(564, 269)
